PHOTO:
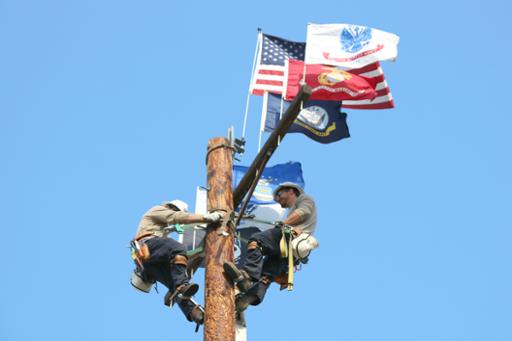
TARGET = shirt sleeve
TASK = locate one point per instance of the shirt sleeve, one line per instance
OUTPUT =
(306, 208)
(164, 215)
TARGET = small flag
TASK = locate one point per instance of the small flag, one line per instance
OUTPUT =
(321, 121)
(328, 82)
(349, 46)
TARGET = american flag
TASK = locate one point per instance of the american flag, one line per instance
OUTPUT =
(270, 72)
(270, 68)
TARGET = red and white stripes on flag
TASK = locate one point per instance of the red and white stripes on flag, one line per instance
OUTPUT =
(269, 74)
(268, 78)
(384, 99)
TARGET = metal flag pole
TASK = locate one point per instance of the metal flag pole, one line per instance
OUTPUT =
(258, 44)
(263, 118)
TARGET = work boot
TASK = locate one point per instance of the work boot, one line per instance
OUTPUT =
(196, 315)
(186, 290)
(243, 301)
(241, 279)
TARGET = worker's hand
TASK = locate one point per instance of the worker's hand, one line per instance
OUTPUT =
(212, 217)
(279, 224)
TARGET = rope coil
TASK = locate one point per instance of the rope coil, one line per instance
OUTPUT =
(211, 149)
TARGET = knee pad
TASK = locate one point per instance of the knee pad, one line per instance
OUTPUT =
(180, 260)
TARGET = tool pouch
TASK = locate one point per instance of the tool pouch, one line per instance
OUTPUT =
(140, 252)
(144, 252)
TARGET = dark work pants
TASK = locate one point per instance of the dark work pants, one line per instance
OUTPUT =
(159, 268)
(264, 262)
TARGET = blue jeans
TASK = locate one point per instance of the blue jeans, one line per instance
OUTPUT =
(159, 267)
(266, 261)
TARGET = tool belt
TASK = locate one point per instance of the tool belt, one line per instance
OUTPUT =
(139, 250)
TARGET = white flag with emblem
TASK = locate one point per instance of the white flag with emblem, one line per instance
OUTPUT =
(349, 46)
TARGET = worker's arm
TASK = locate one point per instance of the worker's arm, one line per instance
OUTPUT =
(295, 218)
(193, 218)
(300, 215)
(168, 216)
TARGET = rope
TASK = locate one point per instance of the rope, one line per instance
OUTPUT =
(222, 145)
(180, 229)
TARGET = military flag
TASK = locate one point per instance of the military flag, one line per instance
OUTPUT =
(321, 121)
(349, 46)
(328, 82)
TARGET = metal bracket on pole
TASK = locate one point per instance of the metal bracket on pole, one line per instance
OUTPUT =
(238, 145)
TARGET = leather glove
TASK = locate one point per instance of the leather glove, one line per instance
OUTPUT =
(212, 217)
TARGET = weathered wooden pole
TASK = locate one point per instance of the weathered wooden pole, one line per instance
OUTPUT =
(219, 324)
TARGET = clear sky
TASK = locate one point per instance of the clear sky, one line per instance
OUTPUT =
(106, 108)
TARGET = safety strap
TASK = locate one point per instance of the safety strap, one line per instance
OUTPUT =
(181, 228)
(290, 263)
(286, 248)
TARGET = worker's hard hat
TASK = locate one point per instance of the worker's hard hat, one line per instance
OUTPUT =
(139, 283)
(180, 205)
(287, 184)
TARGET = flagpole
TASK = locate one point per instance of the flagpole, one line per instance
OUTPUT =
(305, 56)
(258, 42)
(263, 118)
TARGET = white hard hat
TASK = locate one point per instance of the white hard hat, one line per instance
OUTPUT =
(139, 283)
(287, 184)
(180, 205)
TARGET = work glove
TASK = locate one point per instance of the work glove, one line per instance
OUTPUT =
(212, 217)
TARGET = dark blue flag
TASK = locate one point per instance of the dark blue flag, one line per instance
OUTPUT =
(322, 121)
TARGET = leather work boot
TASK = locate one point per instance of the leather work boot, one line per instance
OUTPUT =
(239, 277)
(186, 290)
(196, 315)
(243, 301)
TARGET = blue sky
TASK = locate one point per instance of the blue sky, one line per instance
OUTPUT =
(106, 108)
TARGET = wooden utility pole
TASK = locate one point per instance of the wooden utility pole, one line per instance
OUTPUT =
(219, 324)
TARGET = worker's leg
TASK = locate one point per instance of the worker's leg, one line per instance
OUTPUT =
(260, 244)
(162, 274)
(254, 295)
(170, 254)
(272, 267)
(163, 250)
(265, 243)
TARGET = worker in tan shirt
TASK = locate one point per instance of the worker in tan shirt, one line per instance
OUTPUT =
(164, 259)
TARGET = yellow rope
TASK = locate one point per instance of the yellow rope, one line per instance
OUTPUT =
(286, 247)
